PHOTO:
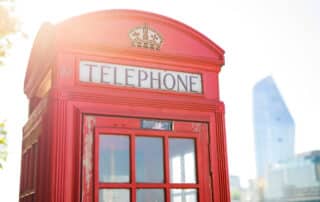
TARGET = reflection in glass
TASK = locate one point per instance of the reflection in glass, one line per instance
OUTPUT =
(114, 195)
(183, 195)
(149, 159)
(150, 195)
(114, 158)
(156, 124)
(182, 160)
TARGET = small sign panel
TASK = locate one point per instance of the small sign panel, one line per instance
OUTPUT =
(156, 124)
(139, 77)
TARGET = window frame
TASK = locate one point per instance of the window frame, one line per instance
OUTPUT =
(166, 186)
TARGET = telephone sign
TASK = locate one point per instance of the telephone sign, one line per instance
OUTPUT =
(140, 77)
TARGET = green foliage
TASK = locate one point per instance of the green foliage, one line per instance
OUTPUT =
(235, 195)
(3, 144)
(9, 26)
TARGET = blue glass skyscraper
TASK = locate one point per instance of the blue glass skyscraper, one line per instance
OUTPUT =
(273, 126)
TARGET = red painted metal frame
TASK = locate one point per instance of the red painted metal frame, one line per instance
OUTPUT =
(76, 115)
(200, 140)
(29, 173)
(68, 111)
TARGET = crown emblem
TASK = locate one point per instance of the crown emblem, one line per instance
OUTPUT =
(145, 37)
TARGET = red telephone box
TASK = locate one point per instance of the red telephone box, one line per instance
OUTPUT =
(124, 107)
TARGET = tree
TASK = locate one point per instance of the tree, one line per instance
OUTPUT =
(3, 144)
(9, 26)
(235, 195)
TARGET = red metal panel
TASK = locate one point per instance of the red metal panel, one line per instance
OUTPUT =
(166, 167)
(30, 171)
(109, 30)
(133, 169)
(26, 183)
(106, 34)
(87, 160)
(222, 156)
(43, 171)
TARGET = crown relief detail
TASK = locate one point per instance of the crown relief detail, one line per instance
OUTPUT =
(145, 37)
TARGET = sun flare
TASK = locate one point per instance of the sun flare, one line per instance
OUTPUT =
(33, 13)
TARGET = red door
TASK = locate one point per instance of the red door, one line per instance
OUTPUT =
(147, 160)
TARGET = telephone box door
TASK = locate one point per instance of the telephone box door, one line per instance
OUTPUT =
(145, 160)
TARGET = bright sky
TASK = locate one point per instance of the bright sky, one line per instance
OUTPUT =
(261, 38)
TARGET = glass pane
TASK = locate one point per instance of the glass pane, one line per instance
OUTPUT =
(114, 195)
(149, 159)
(156, 124)
(183, 195)
(150, 195)
(114, 158)
(182, 160)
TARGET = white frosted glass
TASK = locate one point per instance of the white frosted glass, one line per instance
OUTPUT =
(183, 195)
(182, 160)
(114, 195)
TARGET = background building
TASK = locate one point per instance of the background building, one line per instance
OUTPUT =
(252, 193)
(235, 188)
(297, 179)
(273, 126)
